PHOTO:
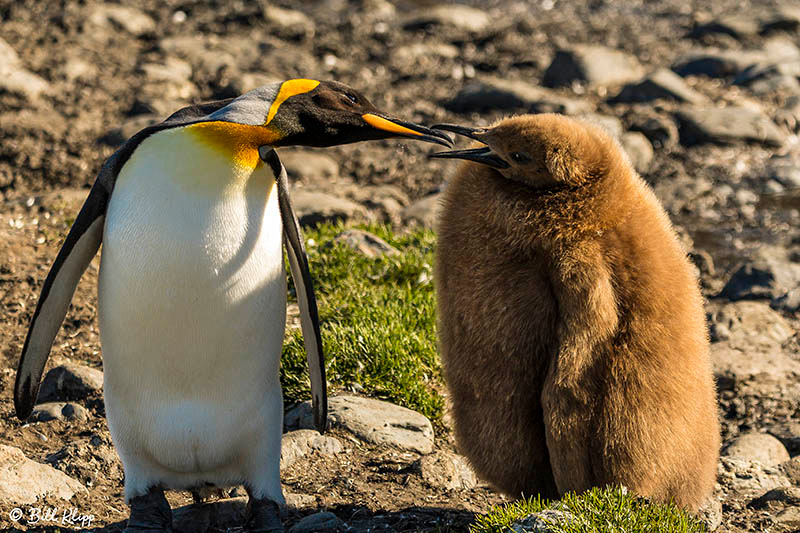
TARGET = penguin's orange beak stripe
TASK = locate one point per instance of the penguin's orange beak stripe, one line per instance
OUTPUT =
(288, 89)
(387, 125)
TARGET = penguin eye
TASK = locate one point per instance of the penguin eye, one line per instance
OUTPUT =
(520, 157)
(351, 97)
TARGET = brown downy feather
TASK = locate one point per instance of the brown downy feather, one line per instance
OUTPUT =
(571, 324)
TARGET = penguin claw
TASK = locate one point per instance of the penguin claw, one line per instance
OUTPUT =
(150, 513)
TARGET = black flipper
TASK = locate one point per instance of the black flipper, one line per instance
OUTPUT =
(309, 317)
(80, 246)
(76, 253)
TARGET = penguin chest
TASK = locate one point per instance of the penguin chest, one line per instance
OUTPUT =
(192, 294)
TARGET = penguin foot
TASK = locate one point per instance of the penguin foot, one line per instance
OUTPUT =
(263, 516)
(150, 513)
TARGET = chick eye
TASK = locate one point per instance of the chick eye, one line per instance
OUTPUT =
(520, 157)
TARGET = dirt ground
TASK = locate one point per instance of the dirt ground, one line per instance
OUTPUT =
(106, 78)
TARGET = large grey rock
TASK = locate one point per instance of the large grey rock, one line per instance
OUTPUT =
(70, 381)
(366, 243)
(760, 447)
(639, 150)
(769, 274)
(24, 480)
(727, 125)
(288, 23)
(743, 479)
(716, 63)
(734, 368)
(314, 208)
(737, 25)
(660, 131)
(448, 471)
(299, 443)
(663, 84)
(594, 65)
(506, 95)
(309, 166)
(710, 513)
(372, 421)
(45, 412)
(788, 432)
(423, 212)
(749, 325)
(133, 20)
(458, 16)
(15, 78)
(318, 523)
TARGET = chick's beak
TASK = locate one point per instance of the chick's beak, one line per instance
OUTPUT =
(407, 129)
(483, 155)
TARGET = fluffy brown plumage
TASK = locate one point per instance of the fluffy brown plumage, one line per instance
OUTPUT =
(571, 324)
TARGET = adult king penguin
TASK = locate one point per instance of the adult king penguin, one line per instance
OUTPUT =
(192, 214)
(571, 324)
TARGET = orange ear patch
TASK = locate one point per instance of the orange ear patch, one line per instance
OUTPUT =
(290, 88)
(240, 142)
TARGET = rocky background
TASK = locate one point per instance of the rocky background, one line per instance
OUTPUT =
(703, 95)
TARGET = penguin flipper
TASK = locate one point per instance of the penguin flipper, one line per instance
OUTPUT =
(309, 317)
(80, 246)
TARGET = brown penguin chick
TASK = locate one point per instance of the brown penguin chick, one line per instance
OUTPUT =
(571, 324)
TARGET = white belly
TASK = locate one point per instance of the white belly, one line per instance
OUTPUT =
(192, 305)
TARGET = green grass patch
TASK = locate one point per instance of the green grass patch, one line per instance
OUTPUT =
(600, 510)
(377, 321)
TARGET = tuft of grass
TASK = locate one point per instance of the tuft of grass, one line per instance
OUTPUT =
(600, 510)
(377, 321)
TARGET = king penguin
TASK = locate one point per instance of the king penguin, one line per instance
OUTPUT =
(571, 324)
(192, 214)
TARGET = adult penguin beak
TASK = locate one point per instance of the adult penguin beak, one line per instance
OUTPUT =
(407, 129)
(483, 155)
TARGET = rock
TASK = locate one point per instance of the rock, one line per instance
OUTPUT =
(639, 150)
(8, 56)
(59, 411)
(769, 274)
(762, 78)
(309, 166)
(782, 495)
(662, 84)
(372, 421)
(22, 82)
(70, 381)
(129, 128)
(789, 517)
(448, 471)
(741, 479)
(313, 208)
(288, 23)
(300, 501)
(785, 171)
(591, 64)
(747, 325)
(542, 521)
(366, 243)
(792, 470)
(130, 19)
(500, 94)
(716, 63)
(789, 434)
(710, 513)
(172, 70)
(612, 125)
(318, 523)
(457, 16)
(423, 212)
(660, 131)
(760, 447)
(784, 18)
(789, 302)
(738, 25)
(734, 367)
(727, 125)
(24, 481)
(301, 442)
